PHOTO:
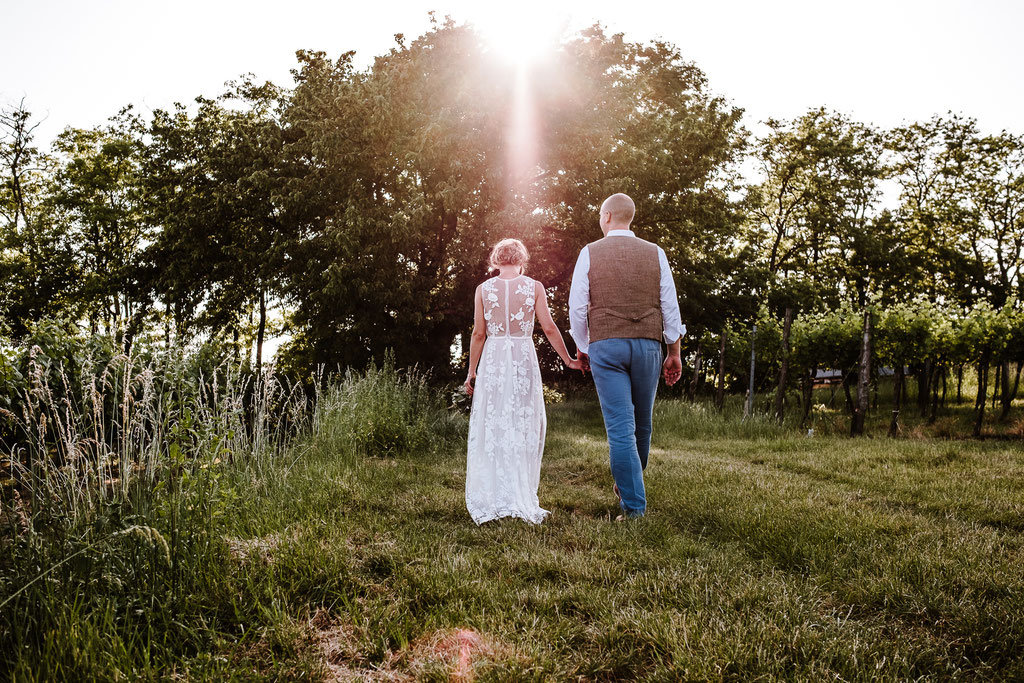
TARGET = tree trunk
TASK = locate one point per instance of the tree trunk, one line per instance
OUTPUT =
(935, 394)
(945, 374)
(808, 395)
(720, 388)
(982, 391)
(894, 424)
(179, 322)
(261, 330)
(923, 381)
(863, 379)
(995, 384)
(1016, 382)
(1009, 391)
(697, 360)
(780, 393)
(846, 390)
(959, 383)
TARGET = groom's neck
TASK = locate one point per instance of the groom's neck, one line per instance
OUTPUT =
(612, 226)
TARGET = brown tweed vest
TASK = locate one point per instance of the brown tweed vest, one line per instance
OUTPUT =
(625, 289)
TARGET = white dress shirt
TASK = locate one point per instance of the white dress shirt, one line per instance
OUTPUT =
(579, 298)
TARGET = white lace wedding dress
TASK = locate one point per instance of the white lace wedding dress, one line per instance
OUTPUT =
(508, 422)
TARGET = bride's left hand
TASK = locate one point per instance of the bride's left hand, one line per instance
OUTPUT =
(468, 384)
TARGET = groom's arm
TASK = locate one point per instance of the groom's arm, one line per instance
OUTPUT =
(579, 302)
(674, 329)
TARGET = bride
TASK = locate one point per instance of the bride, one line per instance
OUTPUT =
(507, 422)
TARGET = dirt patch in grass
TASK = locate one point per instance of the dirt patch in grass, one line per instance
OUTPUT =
(339, 648)
(246, 550)
(455, 652)
(452, 654)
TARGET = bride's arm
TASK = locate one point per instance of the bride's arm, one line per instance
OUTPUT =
(551, 330)
(476, 343)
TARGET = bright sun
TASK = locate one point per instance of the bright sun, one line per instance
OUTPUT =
(521, 32)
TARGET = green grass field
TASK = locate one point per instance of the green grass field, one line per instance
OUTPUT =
(765, 556)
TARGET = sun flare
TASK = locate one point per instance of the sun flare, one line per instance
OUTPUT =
(522, 33)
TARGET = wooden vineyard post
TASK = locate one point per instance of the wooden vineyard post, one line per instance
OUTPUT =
(720, 389)
(780, 392)
(697, 368)
(748, 409)
(863, 379)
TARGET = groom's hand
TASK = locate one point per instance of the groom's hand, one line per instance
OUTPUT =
(584, 362)
(672, 369)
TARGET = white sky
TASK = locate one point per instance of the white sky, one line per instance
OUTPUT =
(76, 62)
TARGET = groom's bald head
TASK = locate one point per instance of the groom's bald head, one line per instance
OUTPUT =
(617, 212)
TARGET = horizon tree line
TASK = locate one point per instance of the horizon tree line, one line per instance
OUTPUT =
(360, 204)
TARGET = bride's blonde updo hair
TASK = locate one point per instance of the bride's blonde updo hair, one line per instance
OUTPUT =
(509, 252)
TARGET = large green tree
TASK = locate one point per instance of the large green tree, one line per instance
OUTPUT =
(98, 187)
(220, 187)
(812, 222)
(993, 238)
(415, 169)
(37, 262)
(929, 162)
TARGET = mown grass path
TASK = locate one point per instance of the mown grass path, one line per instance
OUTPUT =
(764, 557)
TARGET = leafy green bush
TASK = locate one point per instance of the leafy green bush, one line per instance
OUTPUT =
(11, 383)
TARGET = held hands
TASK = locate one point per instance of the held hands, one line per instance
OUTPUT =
(581, 363)
(468, 384)
(672, 369)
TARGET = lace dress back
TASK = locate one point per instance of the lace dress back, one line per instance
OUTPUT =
(509, 306)
(508, 422)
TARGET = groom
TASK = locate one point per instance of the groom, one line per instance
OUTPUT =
(622, 305)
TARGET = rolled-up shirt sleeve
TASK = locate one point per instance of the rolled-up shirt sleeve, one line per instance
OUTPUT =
(579, 302)
(674, 327)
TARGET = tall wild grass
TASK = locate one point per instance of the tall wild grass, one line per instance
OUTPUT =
(120, 477)
(383, 412)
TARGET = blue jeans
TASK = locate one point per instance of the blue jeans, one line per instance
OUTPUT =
(626, 376)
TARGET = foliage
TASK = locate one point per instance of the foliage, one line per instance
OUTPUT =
(353, 210)
(810, 218)
(827, 339)
(97, 187)
(412, 181)
(907, 334)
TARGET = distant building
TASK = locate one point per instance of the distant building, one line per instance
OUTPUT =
(832, 376)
